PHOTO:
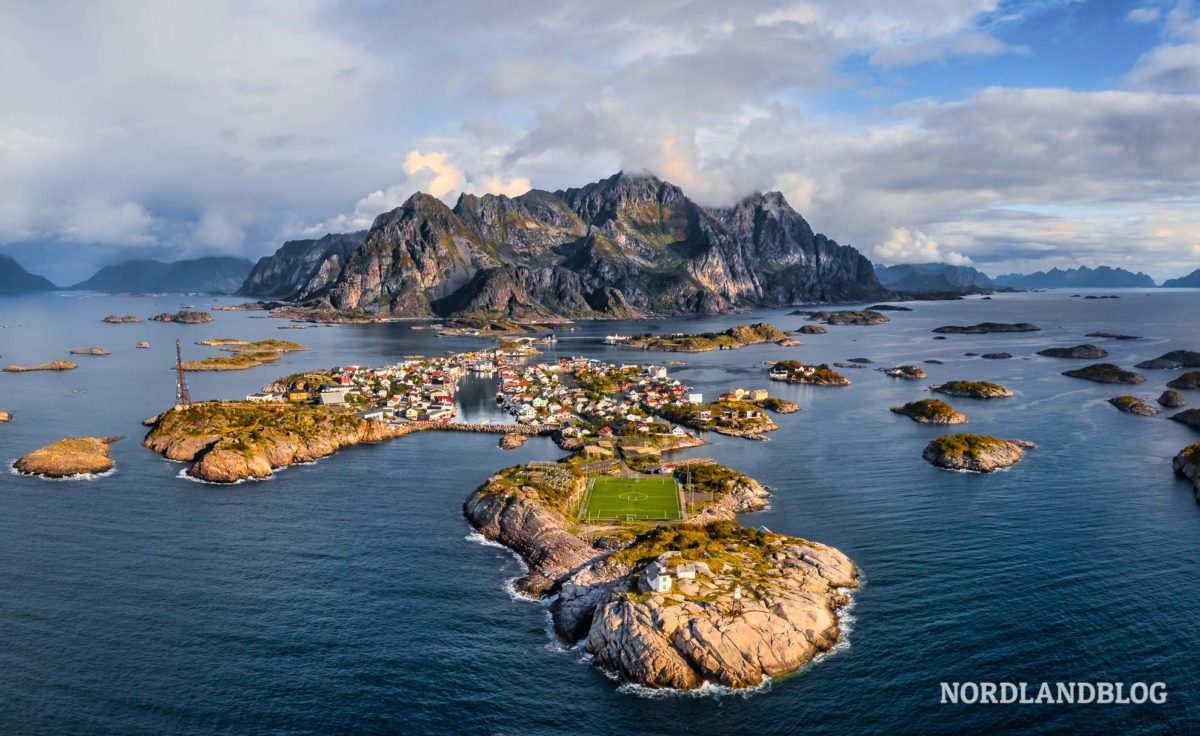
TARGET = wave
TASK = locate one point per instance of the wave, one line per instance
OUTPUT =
(12, 469)
(707, 690)
(846, 621)
(184, 475)
(510, 585)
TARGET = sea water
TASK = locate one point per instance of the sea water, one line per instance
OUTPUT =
(348, 595)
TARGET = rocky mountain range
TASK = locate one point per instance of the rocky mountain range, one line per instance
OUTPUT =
(932, 277)
(16, 280)
(301, 268)
(1101, 277)
(1192, 281)
(625, 246)
(215, 274)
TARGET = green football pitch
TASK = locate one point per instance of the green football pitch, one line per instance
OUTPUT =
(630, 499)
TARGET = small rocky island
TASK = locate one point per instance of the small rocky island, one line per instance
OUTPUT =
(984, 328)
(793, 371)
(975, 452)
(907, 372)
(812, 330)
(1134, 405)
(1172, 361)
(89, 351)
(5, 416)
(1106, 373)
(731, 339)
(669, 605)
(1113, 336)
(68, 458)
(54, 365)
(1172, 399)
(973, 389)
(849, 317)
(183, 316)
(114, 319)
(930, 411)
(1078, 352)
(1188, 417)
(1187, 465)
(244, 354)
(1189, 381)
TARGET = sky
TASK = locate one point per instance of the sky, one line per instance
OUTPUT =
(1006, 134)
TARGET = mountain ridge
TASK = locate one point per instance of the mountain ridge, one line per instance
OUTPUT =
(1192, 281)
(624, 246)
(206, 274)
(14, 279)
(932, 277)
(1101, 277)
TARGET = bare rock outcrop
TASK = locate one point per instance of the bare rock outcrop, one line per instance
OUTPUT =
(68, 458)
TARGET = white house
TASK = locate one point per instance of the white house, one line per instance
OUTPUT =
(263, 396)
(659, 583)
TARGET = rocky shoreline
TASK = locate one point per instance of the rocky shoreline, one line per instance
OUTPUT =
(757, 604)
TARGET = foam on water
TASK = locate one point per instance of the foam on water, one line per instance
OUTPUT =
(12, 469)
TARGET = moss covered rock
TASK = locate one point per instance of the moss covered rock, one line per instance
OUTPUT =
(930, 411)
(975, 452)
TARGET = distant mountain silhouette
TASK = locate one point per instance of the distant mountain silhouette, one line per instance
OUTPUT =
(209, 274)
(16, 280)
(1102, 277)
(926, 277)
(1192, 280)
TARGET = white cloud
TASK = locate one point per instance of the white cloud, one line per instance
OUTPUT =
(913, 246)
(1170, 68)
(122, 223)
(442, 177)
(1145, 14)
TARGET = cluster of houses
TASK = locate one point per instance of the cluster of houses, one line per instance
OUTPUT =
(537, 394)
(778, 373)
(417, 390)
(583, 396)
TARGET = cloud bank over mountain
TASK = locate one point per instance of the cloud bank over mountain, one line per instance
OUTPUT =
(1015, 136)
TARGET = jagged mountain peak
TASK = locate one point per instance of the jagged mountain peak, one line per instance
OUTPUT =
(626, 245)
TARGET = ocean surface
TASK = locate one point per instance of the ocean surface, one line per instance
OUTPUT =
(350, 596)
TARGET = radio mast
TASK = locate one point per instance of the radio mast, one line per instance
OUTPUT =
(182, 397)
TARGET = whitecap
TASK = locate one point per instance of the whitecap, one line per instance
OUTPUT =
(706, 690)
(184, 475)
